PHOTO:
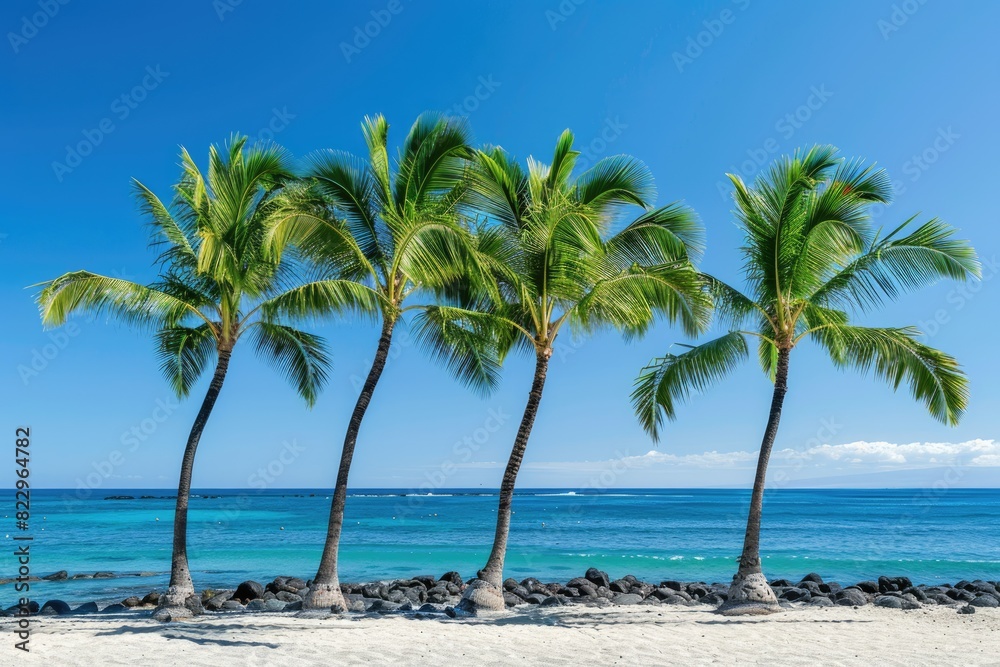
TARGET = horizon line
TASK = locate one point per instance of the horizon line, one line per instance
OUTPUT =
(533, 488)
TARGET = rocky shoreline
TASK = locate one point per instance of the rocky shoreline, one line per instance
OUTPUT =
(427, 594)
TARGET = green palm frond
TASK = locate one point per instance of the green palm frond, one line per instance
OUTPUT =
(434, 158)
(376, 132)
(615, 181)
(671, 379)
(557, 175)
(894, 265)
(321, 298)
(121, 299)
(730, 306)
(171, 232)
(897, 356)
(299, 355)
(434, 252)
(632, 299)
(659, 236)
(465, 341)
(317, 234)
(499, 188)
(767, 357)
(352, 189)
(185, 353)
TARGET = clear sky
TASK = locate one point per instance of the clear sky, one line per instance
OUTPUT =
(95, 95)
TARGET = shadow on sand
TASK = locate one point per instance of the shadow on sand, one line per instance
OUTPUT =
(199, 634)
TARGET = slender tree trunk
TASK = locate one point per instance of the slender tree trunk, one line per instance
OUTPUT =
(181, 585)
(324, 592)
(487, 592)
(750, 592)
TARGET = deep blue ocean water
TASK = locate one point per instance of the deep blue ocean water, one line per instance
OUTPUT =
(687, 534)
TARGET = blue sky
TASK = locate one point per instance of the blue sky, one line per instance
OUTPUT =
(96, 96)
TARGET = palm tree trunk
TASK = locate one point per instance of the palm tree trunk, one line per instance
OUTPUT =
(181, 585)
(324, 591)
(487, 593)
(750, 592)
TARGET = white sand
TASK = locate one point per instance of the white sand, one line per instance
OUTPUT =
(638, 635)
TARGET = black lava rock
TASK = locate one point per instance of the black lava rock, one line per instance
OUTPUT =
(247, 591)
(852, 597)
(55, 607)
(620, 586)
(598, 577)
(452, 578)
(796, 595)
(985, 601)
(889, 602)
(512, 600)
(869, 587)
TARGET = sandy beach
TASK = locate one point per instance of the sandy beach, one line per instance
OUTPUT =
(564, 636)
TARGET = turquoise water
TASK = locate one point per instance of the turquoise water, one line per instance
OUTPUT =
(845, 535)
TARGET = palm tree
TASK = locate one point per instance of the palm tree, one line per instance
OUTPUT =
(812, 257)
(555, 262)
(217, 283)
(397, 234)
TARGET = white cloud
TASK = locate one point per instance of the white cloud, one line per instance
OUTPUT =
(875, 455)
(911, 454)
(986, 460)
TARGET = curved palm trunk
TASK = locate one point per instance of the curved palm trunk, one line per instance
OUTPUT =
(324, 592)
(486, 591)
(750, 592)
(181, 586)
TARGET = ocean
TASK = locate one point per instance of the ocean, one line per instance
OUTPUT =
(931, 536)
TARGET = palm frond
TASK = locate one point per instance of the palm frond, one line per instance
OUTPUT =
(499, 188)
(563, 161)
(897, 356)
(894, 265)
(434, 159)
(169, 230)
(730, 305)
(124, 300)
(353, 191)
(616, 181)
(434, 252)
(631, 300)
(300, 356)
(659, 236)
(376, 133)
(184, 353)
(668, 380)
(466, 341)
(325, 297)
